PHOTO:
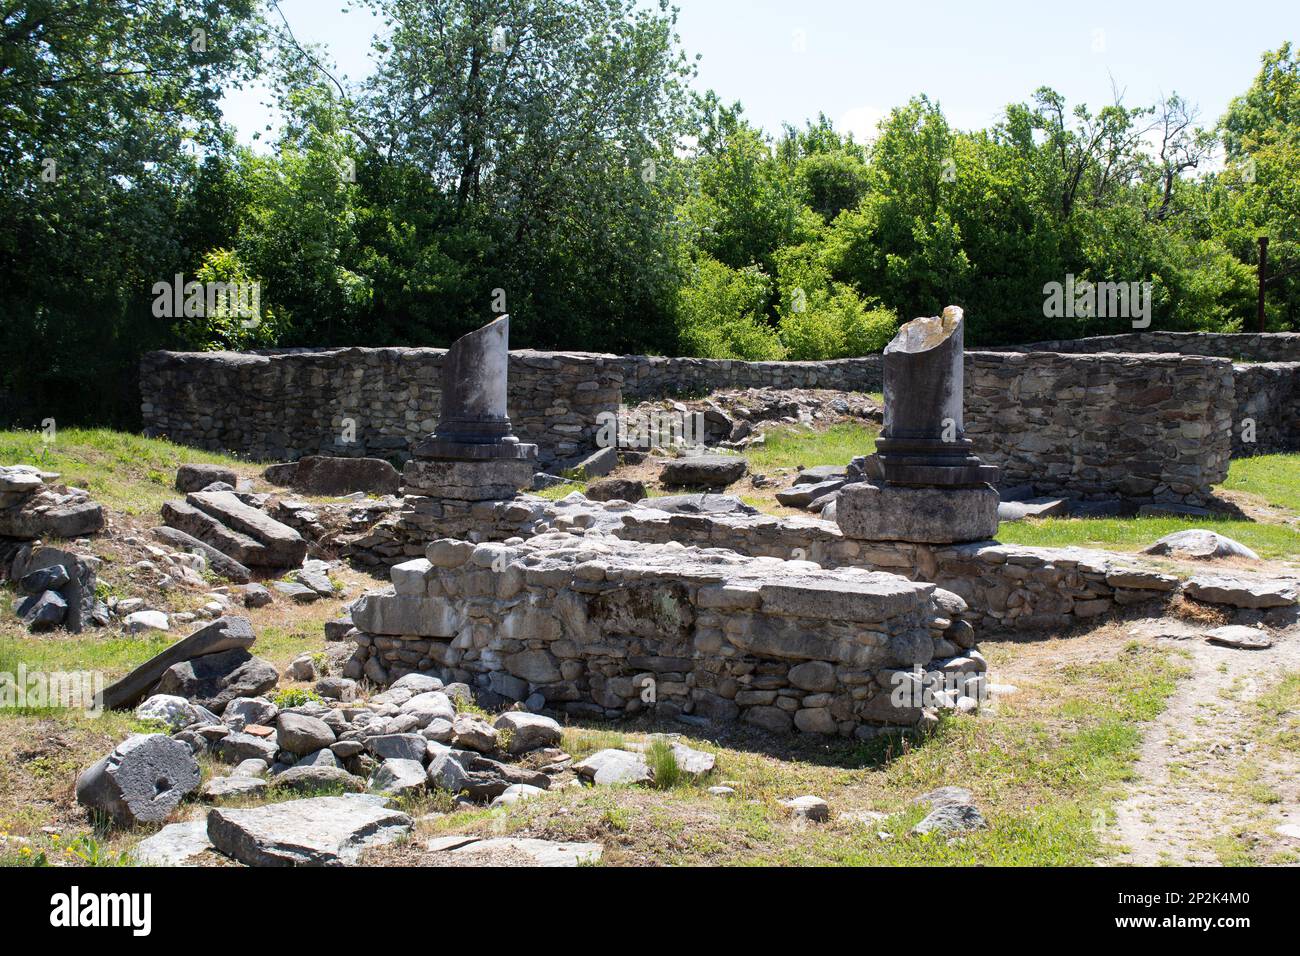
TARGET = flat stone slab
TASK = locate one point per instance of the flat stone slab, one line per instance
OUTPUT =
(223, 634)
(484, 480)
(925, 515)
(820, 473)
(393, 615)
(703, 471)
(498, 851)
(1242, 591)
(285, 547)
(204, 527)
(227, 788)
(326, 475)
(804, 494)
(613, 767)
(176, 844)
(196, 477)
(317, 831)
(220, 562)
(1242, 638)
(1201, 544)
(1032, 508)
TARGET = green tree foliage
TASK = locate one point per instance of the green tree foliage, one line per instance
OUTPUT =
(104, 107)
(547, 157)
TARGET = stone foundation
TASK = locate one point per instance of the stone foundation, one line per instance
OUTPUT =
(599, 626)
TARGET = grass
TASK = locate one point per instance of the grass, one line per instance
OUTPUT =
(1044, 770)
(1274, 478)
(1132, 534)
(122, 471)
(793, 447)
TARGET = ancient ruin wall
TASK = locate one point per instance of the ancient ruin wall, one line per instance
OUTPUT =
(1146, 427)
(1244, 346)
(283, 405)
(1268, 401)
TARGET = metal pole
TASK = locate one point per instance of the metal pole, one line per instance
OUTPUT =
(1263, 278)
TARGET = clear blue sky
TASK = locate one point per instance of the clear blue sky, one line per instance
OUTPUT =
(788, 61)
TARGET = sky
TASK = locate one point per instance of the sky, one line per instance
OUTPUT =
(788, 61)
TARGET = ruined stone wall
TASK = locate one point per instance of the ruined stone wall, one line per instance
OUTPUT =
(1148, 427)
(1007, 586)
(1268, 395)
(587, 623)
(1143, 427)
(1244, 346)
(657, 376)
(281, 405)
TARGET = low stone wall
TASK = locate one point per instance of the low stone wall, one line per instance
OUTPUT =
(1154, 427)
(1147, 428)
(1007, 586)
(1267, 400)
(282, 405)
(657, 376)
(1244, 346)
(598, 626)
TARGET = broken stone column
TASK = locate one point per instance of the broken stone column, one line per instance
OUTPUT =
(473, 455)
(141, 781)
(924, 484)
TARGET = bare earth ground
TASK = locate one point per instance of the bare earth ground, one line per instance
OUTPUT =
(1214, 779)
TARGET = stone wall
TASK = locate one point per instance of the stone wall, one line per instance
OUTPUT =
(657, 376)
(1268, 395)
(590, 622)
(1244, 346)
(1007, 586)
(281, 405)
(1143, 427)
(1147, 428)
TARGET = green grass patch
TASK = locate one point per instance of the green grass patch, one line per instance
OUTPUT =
(1133, 534)
(1275, 478)
(121, 470)
(795, 447)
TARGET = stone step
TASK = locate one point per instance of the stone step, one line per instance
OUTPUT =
(284, 547)
(198, 524)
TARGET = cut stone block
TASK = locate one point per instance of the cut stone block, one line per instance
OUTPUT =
(220, 562)
(141, 781)
(318, 831)
(924, 515)
(393, 615)
(207, 529)
(285, 547)
(485, 480)
(223, 634)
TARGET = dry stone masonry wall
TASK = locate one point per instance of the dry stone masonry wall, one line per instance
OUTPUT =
(1149, 427)
(600, 626)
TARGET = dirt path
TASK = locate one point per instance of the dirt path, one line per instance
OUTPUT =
(1208, 783)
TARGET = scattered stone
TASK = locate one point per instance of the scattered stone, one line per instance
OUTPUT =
(402, 746)
(703, 471)
(1033, 508)
(693, 763)
(282, 546)
(234, 786)
(337, 688)
(237, 747)
(221, 635)
(537, 852)
(471, 732)
(1201, 544)
(141, 781)
(529, 732)
(301, 668)
(198, 476)
(43, 612)
(176, 712)
(1242, 638)
(319, 831)
(174, 845)
(315, 778)
(214, 680)
(951, 818)
(516, 793)
(298, 593)
(256, 595)
(138, 622)
(611, 766)
(810, 808)
(335, 477)
(700, 504)
(722, 791)
(300, 734)
(398, 776)
(243, 711)
(616, 489)
(1244, 592)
